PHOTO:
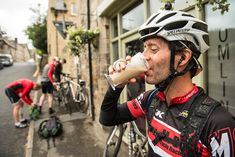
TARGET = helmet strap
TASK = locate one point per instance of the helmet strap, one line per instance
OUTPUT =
(162, 86)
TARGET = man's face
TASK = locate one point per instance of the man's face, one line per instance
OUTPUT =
(157, 54)
(56, 62)
(36, 87)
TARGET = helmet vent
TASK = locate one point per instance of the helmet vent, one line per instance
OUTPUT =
(200, 26)
(206, 39)
(166, 17)
(188, 15)
(175, 25)
(148, 31)
(150, 20)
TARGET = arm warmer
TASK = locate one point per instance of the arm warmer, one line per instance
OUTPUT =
(111, 112)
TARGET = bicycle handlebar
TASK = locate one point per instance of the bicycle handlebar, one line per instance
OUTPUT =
(68, 76)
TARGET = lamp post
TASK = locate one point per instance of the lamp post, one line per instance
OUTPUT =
(90, 62)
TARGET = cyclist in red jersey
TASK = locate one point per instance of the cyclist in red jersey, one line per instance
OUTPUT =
(48, 83)
(18, 92)
(173, 42)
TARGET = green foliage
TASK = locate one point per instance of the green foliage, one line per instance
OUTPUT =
(39, 52)
(78, 37)
(221, 5)
(37, 31)
(38, 34)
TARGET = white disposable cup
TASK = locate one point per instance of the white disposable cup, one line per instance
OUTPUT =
(134, 68)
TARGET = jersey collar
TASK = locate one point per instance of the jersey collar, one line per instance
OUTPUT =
(181, 99)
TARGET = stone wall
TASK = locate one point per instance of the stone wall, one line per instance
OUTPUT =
(57, 46)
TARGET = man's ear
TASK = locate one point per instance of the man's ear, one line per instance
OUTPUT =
(185, 56)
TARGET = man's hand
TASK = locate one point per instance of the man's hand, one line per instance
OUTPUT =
(118, 66)
(34, 105)
(55, 85)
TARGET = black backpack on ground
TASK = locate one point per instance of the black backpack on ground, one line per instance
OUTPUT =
(194, 117)
(50, 128)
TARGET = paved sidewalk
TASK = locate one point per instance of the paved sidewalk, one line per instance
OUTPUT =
(82, 137)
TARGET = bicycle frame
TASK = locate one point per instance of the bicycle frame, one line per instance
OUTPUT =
(80, 95)
(71, 85)
(136, 141)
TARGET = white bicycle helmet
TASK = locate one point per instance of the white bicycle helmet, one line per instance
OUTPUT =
(176, 26)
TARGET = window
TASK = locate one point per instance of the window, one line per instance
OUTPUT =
(60, 5)
(155, 6)
(133, 47)
(182, 4)
(114, 24)
(115, 55)
(74, 10)
(221, 56)
(132, 18)
(62, 26)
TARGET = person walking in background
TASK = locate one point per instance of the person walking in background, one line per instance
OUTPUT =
(58, 69)
(183, 121)
(48, 83)
(18, 92)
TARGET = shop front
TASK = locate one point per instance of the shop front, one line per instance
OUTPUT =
(218, 77)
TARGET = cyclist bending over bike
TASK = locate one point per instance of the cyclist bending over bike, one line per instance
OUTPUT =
(182, 119)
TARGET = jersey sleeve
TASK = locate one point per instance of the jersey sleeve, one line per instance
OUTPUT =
(111, 112)
(25, 96)
(221, 132)
(50, 73)
(138, 106)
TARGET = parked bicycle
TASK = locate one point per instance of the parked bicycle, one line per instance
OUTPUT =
(137, 140)
(73, 95)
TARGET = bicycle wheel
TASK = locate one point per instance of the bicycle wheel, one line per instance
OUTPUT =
(114, 141)
(68, 100)
(140, 149)
(84, 101)
(63, 97)
(56, 97)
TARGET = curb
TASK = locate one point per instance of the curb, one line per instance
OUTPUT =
(29, 145)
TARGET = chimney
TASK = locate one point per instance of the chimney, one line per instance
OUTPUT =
(16, 43)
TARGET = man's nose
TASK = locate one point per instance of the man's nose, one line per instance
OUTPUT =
(145, 54)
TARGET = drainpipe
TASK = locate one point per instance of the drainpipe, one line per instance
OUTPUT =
(56, 34)
(90, 62)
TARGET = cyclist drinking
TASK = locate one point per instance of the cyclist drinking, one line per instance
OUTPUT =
(182, 119)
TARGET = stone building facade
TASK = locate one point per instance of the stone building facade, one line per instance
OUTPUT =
(74, 13)
(19, 52)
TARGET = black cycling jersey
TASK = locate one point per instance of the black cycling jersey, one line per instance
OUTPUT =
(58, 72)
(217, 138)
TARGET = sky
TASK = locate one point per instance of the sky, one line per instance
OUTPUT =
(15, 16)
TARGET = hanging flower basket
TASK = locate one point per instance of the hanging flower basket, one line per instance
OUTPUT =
(78, 37)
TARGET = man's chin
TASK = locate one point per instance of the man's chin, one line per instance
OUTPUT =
(150, 81)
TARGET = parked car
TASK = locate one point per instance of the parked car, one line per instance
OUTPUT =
(1, 65)
(6, 59)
